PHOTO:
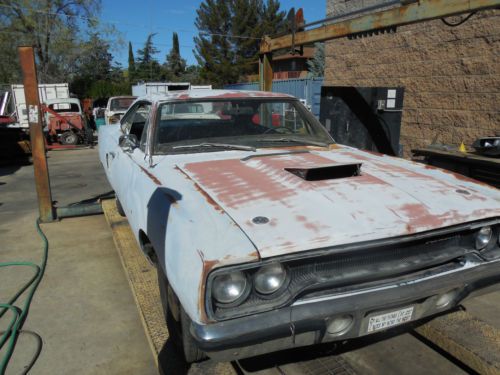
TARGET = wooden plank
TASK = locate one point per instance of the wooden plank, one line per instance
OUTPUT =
(419, 11)
(141, 277)
(470, 340)
(266, 72)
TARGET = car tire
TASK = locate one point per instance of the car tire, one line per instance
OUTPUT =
(178, 330)
(69, 138)
(119, 207)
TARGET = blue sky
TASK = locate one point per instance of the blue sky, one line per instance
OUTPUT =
(136, 19)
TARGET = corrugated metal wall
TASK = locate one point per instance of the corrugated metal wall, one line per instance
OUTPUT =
(302, 88)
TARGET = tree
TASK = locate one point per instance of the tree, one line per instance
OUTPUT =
(131, 63)
(213, 49)
(230, 31)
(176, 65)
(52, 27)
(317, 64)
(95, 68)
(148, 68)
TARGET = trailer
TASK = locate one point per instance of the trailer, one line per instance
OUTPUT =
(46, 91)
(146, 88)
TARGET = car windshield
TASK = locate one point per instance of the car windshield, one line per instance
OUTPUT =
(120, 104)
(189, 126)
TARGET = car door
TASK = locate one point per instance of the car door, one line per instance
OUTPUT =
(122, 165)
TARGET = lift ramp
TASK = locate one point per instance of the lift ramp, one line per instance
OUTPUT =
(466, 339)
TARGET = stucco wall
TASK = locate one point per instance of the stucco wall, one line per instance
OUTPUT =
(451, 75)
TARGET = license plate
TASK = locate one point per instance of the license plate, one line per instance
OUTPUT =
(390, 319)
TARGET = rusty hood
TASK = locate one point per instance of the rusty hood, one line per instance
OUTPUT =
(283, 212)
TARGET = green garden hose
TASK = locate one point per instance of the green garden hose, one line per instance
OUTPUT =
(11, 334)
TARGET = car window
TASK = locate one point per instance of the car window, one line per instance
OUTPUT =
(134, 122)
(120, 104)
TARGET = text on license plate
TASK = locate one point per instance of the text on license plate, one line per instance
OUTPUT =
(390, 319)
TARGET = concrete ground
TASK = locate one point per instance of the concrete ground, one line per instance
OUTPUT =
(84, 310)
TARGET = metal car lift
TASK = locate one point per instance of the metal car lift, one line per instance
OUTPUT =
(47, 211)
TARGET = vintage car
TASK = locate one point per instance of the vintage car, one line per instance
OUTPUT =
(116, 108)
(268, 235)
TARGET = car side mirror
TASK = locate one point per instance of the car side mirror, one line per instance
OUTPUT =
(128, 142)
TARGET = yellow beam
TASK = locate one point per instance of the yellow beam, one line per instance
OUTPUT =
(266, 72)
(422, 10)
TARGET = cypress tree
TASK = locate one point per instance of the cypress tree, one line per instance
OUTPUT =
(131, 63)
(176, 65)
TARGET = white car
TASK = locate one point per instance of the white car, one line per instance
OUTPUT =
(116, 108)
(268, 235)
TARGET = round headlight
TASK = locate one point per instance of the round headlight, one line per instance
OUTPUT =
(230, 287)
(270, 278)
(483, 237)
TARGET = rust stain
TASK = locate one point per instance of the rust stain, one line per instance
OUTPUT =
(151, 176)
(235, 183)
(313, 226)
(208, 265)
(420, 217)
(207, 196)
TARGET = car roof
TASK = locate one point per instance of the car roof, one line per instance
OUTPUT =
(212, 94)
(123, 97)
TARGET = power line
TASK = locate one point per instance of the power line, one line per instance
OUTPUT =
(70, 40)
(125, 23)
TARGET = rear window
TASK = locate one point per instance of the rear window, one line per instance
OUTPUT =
(120, 104)
(64, 107)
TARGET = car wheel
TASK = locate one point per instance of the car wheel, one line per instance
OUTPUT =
(119, 207)
(178, 331)
(69, 138)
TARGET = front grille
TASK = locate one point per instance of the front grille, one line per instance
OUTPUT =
(338, 268)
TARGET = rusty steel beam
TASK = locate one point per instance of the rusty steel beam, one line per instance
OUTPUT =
(418, 11)
(42, 181)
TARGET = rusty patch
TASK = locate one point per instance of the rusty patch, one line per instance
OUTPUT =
(208, 265)
(236, 183)
(420, 217)
(151, 176)
(207, 196)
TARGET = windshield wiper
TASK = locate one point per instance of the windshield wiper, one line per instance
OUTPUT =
(216, 145)
(294, 140)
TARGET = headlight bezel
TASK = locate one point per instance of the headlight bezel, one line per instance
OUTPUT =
(277, 291)
(480, 246)
(241, 298)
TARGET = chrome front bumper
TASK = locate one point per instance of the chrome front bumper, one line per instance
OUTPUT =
(306, 321)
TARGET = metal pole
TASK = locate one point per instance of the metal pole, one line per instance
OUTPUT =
(42, 181)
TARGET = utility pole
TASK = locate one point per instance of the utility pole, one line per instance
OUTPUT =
(42, 182)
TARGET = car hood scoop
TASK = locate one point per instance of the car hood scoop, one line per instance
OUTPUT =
(328, 172)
